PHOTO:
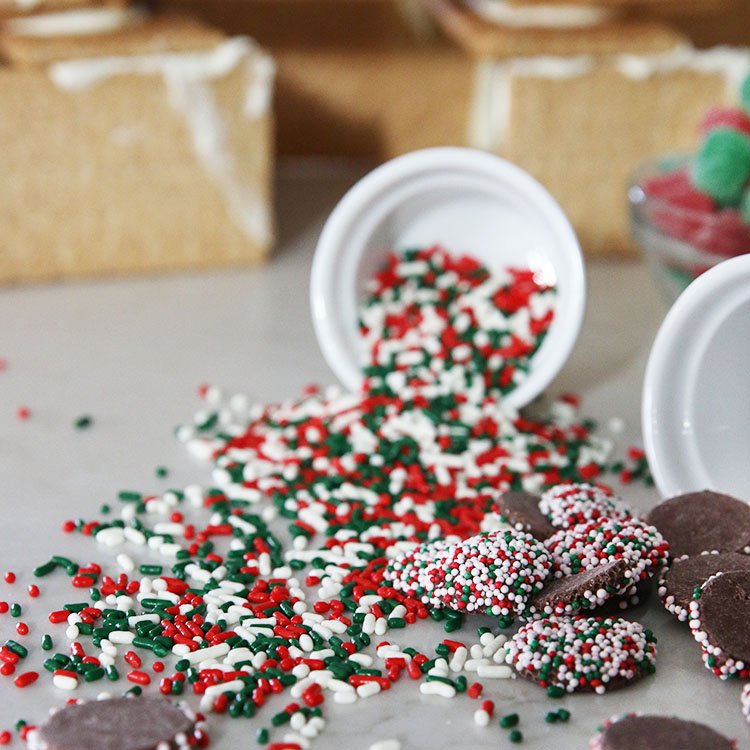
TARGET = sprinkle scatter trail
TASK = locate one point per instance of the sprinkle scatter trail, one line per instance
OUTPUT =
(589, 546)
(582, 654)
(277, 579)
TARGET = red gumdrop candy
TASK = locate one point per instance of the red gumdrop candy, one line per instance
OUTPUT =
(725, 117)
(687, 210)
(724, 234)
(677, 189)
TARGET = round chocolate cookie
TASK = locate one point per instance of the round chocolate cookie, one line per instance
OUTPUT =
(494, 573)
(130, 723)
(582, 654)
(521, 510)
(703, 522)
(658, 733)
(718, 619)
(679, 583)
(585, 591)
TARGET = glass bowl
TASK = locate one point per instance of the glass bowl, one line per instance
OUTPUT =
(678, 240)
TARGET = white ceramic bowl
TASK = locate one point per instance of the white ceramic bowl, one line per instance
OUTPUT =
(696, 393)
(468, 202)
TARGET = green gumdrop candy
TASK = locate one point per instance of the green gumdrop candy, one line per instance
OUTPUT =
(745, 206)
(722, 166)
(745, 94)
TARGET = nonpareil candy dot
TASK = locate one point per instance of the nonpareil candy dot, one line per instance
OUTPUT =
(722, 165)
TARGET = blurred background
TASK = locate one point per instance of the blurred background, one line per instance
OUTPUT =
(143, 137)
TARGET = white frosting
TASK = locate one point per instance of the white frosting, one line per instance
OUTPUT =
(83, 22)
(552, 67)
(732, 62)
(541, 16)
(188, 77)
(76, 75)
(491, 109)
(490, 115)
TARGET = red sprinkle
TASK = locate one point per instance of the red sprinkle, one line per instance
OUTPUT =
(22, 628)
(26, 679)
(10, 577)
(475, 689)
(133, 659)
(139, 678)
(33, 590)
(83, 582)
(4, 607)
(60, 615)
(5, 735)
(23, 413)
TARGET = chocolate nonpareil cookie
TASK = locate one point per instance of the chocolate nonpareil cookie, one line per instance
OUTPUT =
(718, 618)
(703, 522)
(582, 654)
(658, 733)
(679, 583)
(567, 505)
(129, 723)
(590, 546)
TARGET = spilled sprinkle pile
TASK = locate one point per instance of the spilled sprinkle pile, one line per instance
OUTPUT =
(274, 579)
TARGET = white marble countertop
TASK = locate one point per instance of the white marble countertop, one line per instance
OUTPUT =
(131, 352)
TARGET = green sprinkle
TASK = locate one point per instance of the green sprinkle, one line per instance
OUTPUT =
(127, 496)
(563, 714)
(83, 422)
(161, 472)
(509, 720)
(555, 691)
(151, 570)
(551, 717)
(515, 736)
(261, 736)
(42, 570)
(17, 648)
(47, 642)
(15, 610)
(105, 509)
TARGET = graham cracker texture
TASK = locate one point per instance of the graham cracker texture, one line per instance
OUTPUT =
(150, 36)
(10, 8)
(121, 171)
(583, 136)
